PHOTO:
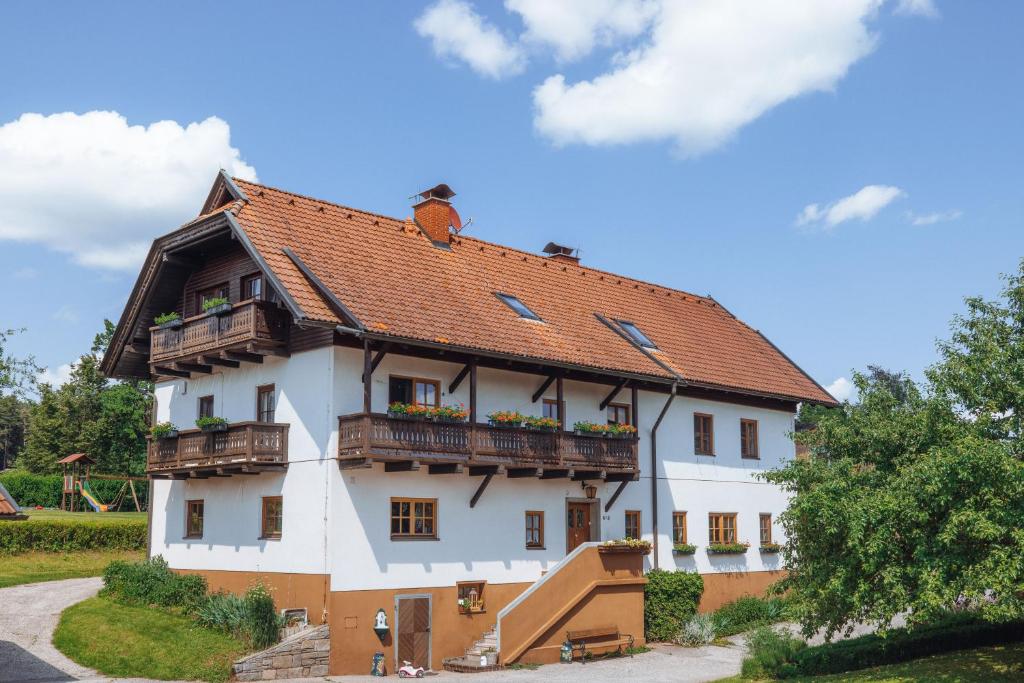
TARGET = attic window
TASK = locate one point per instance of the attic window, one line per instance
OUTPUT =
(517, 306)
(636, 335)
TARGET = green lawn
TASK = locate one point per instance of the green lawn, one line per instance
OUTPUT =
(34, 567)
(117, 640)
(84, 517)
(999, 663)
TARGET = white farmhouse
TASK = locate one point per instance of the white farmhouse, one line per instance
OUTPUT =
(372, 394)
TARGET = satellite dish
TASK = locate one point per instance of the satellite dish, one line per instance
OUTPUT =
(453, 218)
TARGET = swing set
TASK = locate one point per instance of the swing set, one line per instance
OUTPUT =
(77, 493)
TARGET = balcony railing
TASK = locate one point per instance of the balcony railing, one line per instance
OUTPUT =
(258, 322)
(243, 443)
(382, 436)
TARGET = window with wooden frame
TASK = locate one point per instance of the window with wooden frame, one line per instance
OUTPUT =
(194, 518)
(633, 524)
(679, 528)
(722, 527)
(618, 414)
(551, 409)
(205, 406)
(534, 529)
(273, 517)
(421, 392)
(748, 439)
(252, 286)
(766, 528)
(703, 434)
(413, 518)
(217, 292)
(265, 403)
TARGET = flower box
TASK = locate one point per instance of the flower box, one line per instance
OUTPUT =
(164, 430)
(171, 324)
(684, 549)
(215, 427)
(595, 435)
(771, 548)
(498, 424)
(219, 310)
(728, 548)
(625, 547)
(172, 434)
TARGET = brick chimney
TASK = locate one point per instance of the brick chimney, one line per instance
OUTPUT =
(434, 213)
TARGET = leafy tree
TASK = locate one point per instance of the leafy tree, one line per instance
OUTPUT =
(13, 420)
(15, 373)
(913, 500)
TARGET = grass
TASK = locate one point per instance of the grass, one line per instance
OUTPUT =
(34, 567)
(118, 640)
(998, 663)
(84, 517)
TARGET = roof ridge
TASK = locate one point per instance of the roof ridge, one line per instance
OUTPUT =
(402, 221)
(317, 199)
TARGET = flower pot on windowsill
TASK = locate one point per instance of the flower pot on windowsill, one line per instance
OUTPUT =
(539, 428)
(504, 425)
(625, 548)
(771, 548)
(684, 549)
(219, 310)
(594, 435)
(219, 427)
(728, 548)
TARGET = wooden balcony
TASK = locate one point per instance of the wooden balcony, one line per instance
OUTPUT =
(248, 331)
(244, 448)
(403, 444)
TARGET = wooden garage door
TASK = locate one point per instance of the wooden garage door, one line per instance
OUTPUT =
(414, 631)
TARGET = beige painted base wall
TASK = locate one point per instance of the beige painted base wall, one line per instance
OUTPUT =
(722, 588)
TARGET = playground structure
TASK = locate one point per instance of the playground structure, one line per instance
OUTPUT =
(77, 493)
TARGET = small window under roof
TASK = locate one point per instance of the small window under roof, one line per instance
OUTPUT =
(517, 306)
(636, 334)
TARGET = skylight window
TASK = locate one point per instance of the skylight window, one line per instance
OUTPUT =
(636, 335)
(517, 306)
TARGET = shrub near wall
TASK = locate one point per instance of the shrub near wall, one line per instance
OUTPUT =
(69, 535)
(670, 599)
(31, 490)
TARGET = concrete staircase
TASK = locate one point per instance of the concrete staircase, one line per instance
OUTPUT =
(475, 660)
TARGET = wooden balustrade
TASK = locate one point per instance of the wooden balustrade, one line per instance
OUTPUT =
(258, 322)
(243, 443)
(386, 437)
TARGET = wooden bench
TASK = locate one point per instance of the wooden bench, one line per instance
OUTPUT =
(606, 635)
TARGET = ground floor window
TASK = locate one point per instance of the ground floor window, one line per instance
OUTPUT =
(633, 524)
(679, 528)
(273, 514)
(194, 519)
(722, 527)
(534, 529)
(413, 518)
(766, 528)
(471, 596)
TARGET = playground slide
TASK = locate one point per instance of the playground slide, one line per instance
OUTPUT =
(90, 497)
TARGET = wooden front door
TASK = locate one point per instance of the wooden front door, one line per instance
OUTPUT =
(413, 642)
(578, 525)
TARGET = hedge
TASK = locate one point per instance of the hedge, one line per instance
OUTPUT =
(957, 632)
(67, 535)
(31, 490)
(670, 599)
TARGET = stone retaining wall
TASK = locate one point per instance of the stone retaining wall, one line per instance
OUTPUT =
(300, 656)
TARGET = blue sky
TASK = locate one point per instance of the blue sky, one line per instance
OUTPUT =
(697, 184)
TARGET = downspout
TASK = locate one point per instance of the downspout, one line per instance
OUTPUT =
(654, 470)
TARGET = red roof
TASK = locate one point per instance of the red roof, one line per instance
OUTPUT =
(396, 282)
(75, 457)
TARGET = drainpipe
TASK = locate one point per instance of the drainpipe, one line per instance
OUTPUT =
(654, 470)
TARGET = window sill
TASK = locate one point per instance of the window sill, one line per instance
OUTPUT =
(192, 538)
(270, 538)
(706, 455)
(535, 547)
(410, 537)
(751, 457)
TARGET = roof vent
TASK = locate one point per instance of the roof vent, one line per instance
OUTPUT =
(560, 252)
(434, 213)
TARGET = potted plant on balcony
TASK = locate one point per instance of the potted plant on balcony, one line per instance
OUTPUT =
(684, 549)
(408, 411)
(168, 321)
(590, 429)
(217, 305)
(449, 413)
(621, 431)
(210, 423)
(506, 419)
(625, 545)
(728, 548)
(542, 424)
(164, 430)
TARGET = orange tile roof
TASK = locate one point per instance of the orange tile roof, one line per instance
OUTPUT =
(397, 283)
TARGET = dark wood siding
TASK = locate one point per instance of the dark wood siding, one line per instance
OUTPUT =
(230, 266)
(305, 339)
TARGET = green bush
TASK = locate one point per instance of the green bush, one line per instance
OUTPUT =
(670, 599)
(747, 612)
(69, 535)
(771, 653)
(251, 618)
(955, 632)
(151, 582)
(31, 490)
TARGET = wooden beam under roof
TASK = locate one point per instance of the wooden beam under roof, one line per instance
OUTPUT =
(458, 378)
(615, 496)
(543, 387)
(193, 367)
(170, 372)
(480, 490)
(222, 362)
(612, 394)
(243, 356)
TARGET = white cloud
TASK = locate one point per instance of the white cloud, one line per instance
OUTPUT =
(457, 31)
(934, 217)
(842, 390)
(864, 204)
(94, 187)
(66, 314)
(919, 8)
(573, 27)
(56, 378)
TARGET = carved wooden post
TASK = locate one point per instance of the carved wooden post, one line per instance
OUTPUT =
(562, 426)
(472, 409)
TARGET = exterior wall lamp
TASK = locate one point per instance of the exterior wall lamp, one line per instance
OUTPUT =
(589, 489)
